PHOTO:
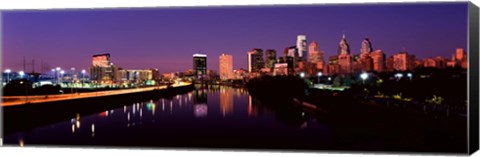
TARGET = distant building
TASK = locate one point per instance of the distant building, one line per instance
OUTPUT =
(102, 69)
(199, 65)
(255, 60)
(302, 47)
(378, 60)
(155, 74)
(101, 60)
(459, 59)
(280, 69)
(366, 47)
(270, 59)
(429, 63)
(332, 67)
(344, 58)
(226, 66)
(240, 74)
(389, 64)
(315, 58)
(251, 61)
(343, 47)
(403, 61)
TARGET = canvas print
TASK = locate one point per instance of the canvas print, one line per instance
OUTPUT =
(352, 77)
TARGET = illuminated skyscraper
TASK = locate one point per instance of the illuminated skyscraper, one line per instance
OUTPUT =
(378, 60)
(302, 46)
(403, 61)
(251, 61)
(366, 47)
(270, 59)
(101, 60)
(102, 68)
(344, 57)
(313, 53)
(343, 47)
(226, 66)
(315, 58)
(255, 60)
(200, 64)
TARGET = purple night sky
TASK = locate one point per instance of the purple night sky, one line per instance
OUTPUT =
(166, 38)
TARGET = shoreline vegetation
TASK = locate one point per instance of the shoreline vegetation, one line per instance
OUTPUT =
(428, 124)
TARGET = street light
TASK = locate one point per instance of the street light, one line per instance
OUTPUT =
(319, 74)
(399, 75)
(83, 76)
(364, 76)
(8, 71)
(61, 75)
(21, 73)
(302, 74)
(409, 75)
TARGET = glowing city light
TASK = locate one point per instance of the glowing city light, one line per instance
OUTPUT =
(319, 74)
(364, 76)
(8, 71)
(302, 74)
(399, 75)
(21, 73)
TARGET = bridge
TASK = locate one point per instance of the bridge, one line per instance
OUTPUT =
(35, 99)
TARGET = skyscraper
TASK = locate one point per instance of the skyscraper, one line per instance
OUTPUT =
(226, 66)
(344, 57)
(101, 60)
(365, 61)
(102, 68)
(366, 47)
(270, 59)
(343, 47)
(251, 61)
(378, 60)
(313, 53)
(199, 64)
(259, 61)
(302, 46)
(403, 61)
(315, 58)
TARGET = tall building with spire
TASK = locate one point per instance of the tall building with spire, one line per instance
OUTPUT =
(365, 60)
(344, 57)
(366, 46)
(343, 47)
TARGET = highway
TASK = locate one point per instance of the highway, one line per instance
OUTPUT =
(33, 99)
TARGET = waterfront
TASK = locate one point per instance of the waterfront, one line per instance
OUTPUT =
(225, 117)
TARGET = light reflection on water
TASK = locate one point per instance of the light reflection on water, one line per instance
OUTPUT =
(221, 112)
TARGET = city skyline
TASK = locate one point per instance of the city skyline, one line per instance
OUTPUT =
(122, 38)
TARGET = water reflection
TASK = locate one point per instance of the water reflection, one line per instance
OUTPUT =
(200, 107)
(226, 100)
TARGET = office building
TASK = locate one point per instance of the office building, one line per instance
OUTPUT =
(226, 66)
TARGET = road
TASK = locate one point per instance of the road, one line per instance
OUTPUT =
(32, 99)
